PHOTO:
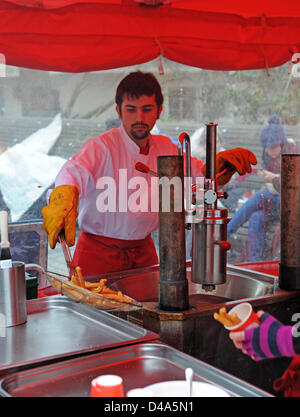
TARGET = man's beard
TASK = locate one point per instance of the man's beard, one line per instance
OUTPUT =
(142, 134)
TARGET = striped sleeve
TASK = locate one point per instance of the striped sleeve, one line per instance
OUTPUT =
(271, 339)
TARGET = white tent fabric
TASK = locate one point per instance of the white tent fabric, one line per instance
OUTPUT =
(26, 169)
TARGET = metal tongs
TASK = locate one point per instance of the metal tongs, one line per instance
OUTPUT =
(67, 254)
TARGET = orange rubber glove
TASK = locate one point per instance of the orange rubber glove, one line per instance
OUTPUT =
(61, 213)
(234, 160)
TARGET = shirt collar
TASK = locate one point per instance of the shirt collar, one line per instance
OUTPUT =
(130, 143)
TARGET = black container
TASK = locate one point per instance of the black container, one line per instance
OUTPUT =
(31, 286)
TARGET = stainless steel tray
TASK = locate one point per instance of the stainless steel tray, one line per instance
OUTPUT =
(58, 327)
(139, 365)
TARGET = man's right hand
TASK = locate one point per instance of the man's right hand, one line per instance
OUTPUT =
(61, 213)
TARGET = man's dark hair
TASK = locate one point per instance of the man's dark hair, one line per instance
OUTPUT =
(137, 84)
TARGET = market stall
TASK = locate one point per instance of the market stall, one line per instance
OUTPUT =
(94, 35)
(73, 36)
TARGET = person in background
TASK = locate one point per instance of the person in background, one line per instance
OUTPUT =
(119, 238)
(263, 207)
(272, 339)
(112, 122)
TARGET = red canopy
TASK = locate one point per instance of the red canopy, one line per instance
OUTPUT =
(73, 36)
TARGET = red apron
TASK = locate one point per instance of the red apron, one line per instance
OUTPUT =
(98, 254)
(289, 382)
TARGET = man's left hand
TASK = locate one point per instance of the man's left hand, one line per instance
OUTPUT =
(234, 160)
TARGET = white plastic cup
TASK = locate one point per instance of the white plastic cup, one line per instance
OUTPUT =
(249, 319)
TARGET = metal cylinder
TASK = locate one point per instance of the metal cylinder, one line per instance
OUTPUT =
(209, 246)
(289, 266)
(210, 174)
(173, 285)
(209, 255)
(13, 310)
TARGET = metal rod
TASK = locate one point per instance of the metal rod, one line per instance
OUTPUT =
(184, 138)
(211, 149)
(67, 254)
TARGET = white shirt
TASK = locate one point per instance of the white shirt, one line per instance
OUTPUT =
(104, 172)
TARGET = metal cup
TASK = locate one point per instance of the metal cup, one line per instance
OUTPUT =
(13, 309)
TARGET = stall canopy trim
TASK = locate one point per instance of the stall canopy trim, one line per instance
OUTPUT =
(80, 36)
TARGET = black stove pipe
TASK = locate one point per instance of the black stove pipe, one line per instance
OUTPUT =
(289, 266)
(173, 284)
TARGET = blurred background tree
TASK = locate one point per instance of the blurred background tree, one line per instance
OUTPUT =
(242, 97)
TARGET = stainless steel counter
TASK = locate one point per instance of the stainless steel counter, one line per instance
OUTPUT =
(58, 327)
(143, 284)
(139, 366)
(196, 332)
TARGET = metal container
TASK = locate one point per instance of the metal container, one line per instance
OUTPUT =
(240, 284)
(13, 295)
(139, 366)
(209, 261)
(58, 327)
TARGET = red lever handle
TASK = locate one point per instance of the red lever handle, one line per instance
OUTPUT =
(224, 244)
(143, 168)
